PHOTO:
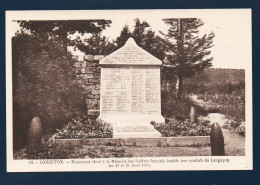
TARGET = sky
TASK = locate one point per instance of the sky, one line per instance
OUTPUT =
(232, 27)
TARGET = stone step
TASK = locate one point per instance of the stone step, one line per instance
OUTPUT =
(151, 134)
(135, 128)
(141, 141)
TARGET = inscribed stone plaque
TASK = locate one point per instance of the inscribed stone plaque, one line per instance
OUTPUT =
(130, 90)
(115, 90)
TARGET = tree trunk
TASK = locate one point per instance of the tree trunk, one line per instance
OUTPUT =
(64, 40)
(181, 59)
(179, 93)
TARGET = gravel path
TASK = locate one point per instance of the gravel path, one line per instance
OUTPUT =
(234, 143)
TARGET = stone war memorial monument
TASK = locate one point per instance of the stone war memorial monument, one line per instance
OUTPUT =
(130, 96)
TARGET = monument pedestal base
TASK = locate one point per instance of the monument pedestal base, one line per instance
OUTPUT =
(133, 126)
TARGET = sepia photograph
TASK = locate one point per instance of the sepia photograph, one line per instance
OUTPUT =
(129, 90)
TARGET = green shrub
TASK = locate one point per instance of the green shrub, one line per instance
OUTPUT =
(231, 105)
(84, 127)
(180, 109)
(214, 88)
(171, 106)
(236, 127)
(241, 129)
(183, 128)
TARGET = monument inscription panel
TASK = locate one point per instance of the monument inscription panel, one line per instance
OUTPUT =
(130, 90)
(116, 90)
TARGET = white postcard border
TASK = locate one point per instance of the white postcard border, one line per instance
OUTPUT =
(209, 162)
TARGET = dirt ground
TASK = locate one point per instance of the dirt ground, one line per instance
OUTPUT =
(234, 143)
(234, 146)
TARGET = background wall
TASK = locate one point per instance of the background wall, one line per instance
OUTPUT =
(87, 71)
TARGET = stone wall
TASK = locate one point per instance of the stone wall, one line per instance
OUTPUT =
(87, 71)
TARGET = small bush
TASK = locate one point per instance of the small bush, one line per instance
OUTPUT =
(236, 127)
(83, 127)
(214, 88)
(180, 109)
(231, 105)
(241, 129)
(183, 128)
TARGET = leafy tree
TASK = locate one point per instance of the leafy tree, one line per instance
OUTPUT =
(60, 29)
(43, 77)
(140, 31)
(95, 45)
(123, 37)
(186, 51)
(144, 37)
(142, 34)
(42, 85)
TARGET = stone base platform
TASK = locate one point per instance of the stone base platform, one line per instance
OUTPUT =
(133, 126)
(140, 142)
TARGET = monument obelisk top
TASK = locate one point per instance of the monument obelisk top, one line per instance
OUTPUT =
(130, 54)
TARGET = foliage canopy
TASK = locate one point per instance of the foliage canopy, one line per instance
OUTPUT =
(43, 76)
(187, 52)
